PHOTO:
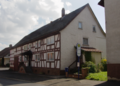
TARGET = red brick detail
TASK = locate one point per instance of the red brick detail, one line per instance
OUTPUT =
(113, 70)
(22, 70)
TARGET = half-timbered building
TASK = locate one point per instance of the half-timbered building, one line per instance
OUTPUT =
(50, 49)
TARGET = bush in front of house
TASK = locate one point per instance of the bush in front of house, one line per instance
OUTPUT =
(7, 65)
(91, 66)
(104, 64)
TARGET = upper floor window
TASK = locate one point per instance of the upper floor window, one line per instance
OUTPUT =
(39, 43)
(25, 47)
(94, 29)
(80, 25)
(85, 41)
(50, 56)
(36, 45)
(50, 40)
(37, 57)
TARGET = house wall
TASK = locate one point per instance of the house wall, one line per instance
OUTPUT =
(112, 36)
(72, 35)
(6, 61)
(42, 65)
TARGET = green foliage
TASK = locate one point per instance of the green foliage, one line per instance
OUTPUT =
(91, 66)
(101, 76)
(7, 65)
(104, 64)
(88, 56)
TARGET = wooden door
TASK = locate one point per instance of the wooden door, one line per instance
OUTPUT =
(16, 63)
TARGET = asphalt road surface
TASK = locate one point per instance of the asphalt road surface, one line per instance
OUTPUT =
(9, 78)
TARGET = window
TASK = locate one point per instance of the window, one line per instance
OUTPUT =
(37, 57)
(35, 44)
(25, 47)
(80, 25)
(50, 56)
(25, 58)
(85, 41)
(50, 40)
(20, 58)
(38, 43)
(94, 29)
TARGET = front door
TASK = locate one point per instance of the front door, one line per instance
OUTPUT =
(16, 63)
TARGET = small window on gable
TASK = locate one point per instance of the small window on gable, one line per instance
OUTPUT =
(85, 41)
(80, 25)
(94, 29)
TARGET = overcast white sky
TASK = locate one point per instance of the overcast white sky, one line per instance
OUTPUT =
(20, 17)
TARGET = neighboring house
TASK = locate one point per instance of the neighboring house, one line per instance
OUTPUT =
(5, 56)
(51, 48)
(112, 13)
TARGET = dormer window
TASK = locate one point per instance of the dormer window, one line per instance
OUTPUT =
(80, 25)
(94, 29)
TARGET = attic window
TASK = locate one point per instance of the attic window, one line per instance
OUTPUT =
(80, 25)
(94, 29)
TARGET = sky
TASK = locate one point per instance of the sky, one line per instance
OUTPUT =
(20, 17)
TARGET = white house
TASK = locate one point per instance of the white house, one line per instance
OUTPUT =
(51, 48)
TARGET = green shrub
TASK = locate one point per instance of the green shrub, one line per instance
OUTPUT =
(104, 64)
(91, 66)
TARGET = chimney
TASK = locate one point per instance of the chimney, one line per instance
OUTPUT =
(10, 46)
(63, 12)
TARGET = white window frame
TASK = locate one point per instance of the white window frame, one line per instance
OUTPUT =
(37, 57)
(20, 58)
(94, 28)
(39, 43)
(47, 58)
(36, 44)
(50, 40)
(79, 25)
(87, 41)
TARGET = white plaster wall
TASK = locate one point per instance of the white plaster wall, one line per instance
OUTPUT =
(96, 57)
(112, 11)
(6, 61)
(71, 35)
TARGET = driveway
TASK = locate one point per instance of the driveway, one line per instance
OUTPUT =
(8, 78)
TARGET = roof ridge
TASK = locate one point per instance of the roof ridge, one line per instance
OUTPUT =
(56, 26)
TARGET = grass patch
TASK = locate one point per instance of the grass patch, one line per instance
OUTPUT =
(101, 76)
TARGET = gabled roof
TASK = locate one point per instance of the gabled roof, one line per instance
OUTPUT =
(51, 28)
(4, 52)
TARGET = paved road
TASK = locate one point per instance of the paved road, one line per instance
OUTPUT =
(8, 78)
